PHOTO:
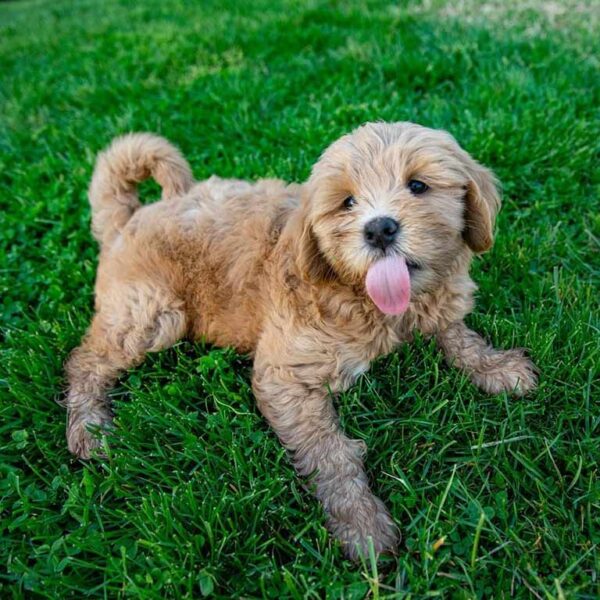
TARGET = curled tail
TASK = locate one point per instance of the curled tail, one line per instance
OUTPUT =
(125, 163)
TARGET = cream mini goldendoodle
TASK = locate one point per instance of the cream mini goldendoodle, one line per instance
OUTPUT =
(314, 280)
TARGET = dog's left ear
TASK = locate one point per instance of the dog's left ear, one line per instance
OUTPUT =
(482, 203)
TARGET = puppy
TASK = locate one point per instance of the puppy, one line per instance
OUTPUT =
(314, 280)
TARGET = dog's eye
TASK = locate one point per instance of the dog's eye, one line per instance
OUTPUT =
(417, 187)
(349, 202)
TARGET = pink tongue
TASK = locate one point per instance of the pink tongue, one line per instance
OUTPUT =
(388, 285)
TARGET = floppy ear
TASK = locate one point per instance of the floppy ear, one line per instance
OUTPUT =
(482, 203)
(312, 264)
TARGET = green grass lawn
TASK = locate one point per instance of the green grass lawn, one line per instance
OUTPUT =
(496, 497)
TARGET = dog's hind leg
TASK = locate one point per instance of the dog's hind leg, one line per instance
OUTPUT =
(142, 318)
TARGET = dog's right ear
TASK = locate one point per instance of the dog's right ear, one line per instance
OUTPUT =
(311, 262)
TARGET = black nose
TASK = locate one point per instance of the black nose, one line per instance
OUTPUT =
(381, 232)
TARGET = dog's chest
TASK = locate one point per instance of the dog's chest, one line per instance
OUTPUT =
(351, 370)
(354, 357)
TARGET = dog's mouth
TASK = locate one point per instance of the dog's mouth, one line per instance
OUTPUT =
(388, 282)
(413, 266)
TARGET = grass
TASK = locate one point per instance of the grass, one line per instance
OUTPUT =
(496, 497)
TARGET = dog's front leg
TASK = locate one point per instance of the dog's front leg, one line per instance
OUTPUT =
(492, 370)
(291, 392)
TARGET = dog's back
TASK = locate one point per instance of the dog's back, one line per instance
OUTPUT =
(223, 233)
(209, 242)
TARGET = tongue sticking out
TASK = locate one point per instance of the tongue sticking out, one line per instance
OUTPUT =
(388, 285)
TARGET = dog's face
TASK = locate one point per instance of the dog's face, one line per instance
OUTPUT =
(398, 190)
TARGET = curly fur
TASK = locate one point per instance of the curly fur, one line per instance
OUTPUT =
(278, 271)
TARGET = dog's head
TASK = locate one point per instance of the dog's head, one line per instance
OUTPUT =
(393, 205)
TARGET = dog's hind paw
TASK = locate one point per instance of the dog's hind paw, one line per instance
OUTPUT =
(85, 432)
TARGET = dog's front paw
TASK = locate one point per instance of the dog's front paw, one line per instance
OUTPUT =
(370, 520)
(82, 431)
(507, 371)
